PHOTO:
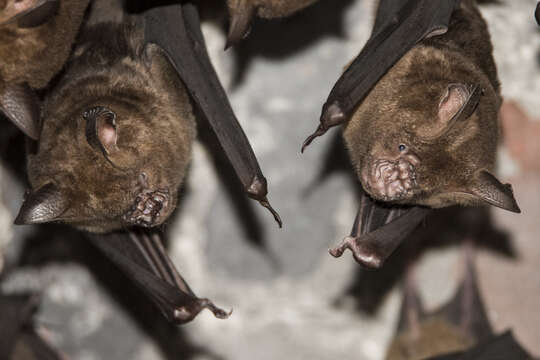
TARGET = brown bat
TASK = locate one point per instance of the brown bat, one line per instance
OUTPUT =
(458, 330)
(427, 133)
(419, 106)
(118, 129)
(116, 137)
(36, 37)
(242, 13)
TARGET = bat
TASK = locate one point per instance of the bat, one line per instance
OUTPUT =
(20, 339)
(419, 106)
(142, 257)
(436, 146)
(123, 113)
(460, 328)
(36, 37)
(242, 13)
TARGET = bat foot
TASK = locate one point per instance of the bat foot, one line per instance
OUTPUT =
(392, 180)
(364, 254)
(147, 209)
(184, 314)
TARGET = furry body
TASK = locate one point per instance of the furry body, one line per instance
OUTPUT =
(35, 55)
(401, 139)
(153, 133)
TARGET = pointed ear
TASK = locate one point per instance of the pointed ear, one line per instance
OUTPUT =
(489, 189)
(101, 132)
(457, 103)
(42, 206)
(21, 106)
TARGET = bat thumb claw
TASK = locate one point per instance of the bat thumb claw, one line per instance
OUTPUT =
(274, 213)
(363, 255)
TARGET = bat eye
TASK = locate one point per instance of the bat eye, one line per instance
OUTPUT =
(402, 147)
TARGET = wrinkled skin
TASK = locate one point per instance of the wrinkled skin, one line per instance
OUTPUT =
(131, 174)
(404, 140)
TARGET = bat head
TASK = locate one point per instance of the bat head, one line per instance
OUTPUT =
(115, 142)
(427, 135)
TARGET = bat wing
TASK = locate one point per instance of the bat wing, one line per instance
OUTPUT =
(21, 106)
(378, 230)
(176, 29)
(17, 328)
(500, 347)
(142, 257)
(399, 26)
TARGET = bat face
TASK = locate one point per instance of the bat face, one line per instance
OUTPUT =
(427, 134)
(116, 137)
(36, 38)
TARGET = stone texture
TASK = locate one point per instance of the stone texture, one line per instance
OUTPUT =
(289, 296)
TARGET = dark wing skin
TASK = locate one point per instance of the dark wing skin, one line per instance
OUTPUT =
(17, 331)
(399, 26)
(500, 347)
(21, 106)
(141, 256)
(176, 29)
(378, 230)
(537, 13)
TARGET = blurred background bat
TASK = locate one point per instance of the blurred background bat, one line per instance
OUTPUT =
(242, 13)
(36, 37)
(20, 337)
(460, 328)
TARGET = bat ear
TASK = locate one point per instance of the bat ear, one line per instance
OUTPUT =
(42, 206)
(101, 130)
(241, 13)
(457, 103)
(21, 106)
(488, 188)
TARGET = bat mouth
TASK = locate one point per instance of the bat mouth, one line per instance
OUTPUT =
(391, 179)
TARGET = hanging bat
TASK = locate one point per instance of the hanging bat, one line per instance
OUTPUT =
(19, 338)
(118, 128)
(419, 106)
(242, 13)
(142, 257)
(36, 37)
(461, 327)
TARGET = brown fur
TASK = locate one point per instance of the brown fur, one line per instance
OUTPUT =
(436, 336)
(155, 127)
(270, 9)
(407, 99)
(35, 55)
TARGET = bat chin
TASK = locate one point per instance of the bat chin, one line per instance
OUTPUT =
(390, 180)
